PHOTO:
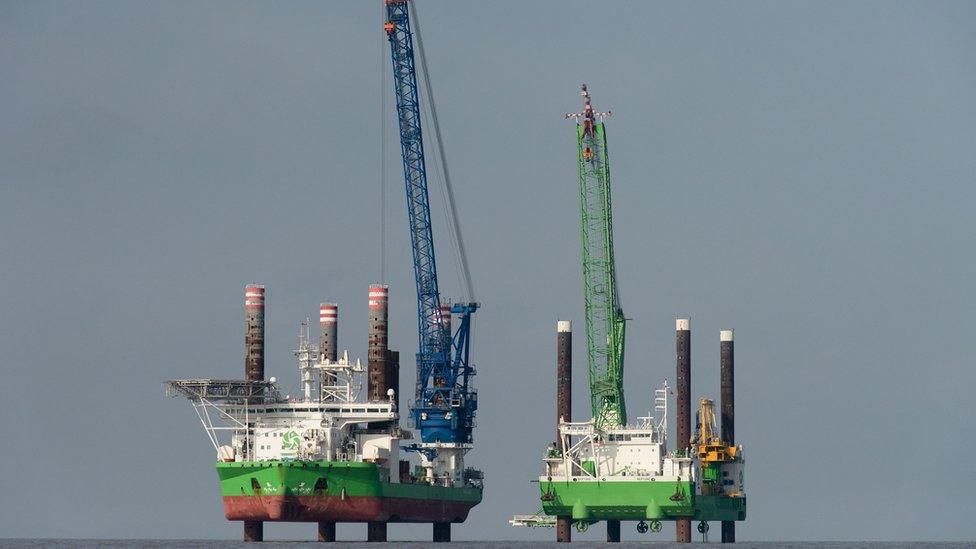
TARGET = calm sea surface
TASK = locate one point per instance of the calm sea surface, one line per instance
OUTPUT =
(201, 544)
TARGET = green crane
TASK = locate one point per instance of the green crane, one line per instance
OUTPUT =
(604, 316)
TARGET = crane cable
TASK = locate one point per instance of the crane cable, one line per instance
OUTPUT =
(435, 178)
(383, 72)
(435, 172)
(455, 225)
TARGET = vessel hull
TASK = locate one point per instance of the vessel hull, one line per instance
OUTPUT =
(637, 500)
(352, 509)
(293, 491)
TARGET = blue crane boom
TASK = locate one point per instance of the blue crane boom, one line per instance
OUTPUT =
(445, 403)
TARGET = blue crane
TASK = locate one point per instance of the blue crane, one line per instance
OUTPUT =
(445, 403)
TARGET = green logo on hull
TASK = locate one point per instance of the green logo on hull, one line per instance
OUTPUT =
(291, 441)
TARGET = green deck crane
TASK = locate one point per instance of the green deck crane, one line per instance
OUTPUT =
(604, 317)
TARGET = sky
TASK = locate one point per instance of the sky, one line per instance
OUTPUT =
(801, 172)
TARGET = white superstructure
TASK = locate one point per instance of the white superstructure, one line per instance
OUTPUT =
(631, 452)
(252, 421)
(255, 423)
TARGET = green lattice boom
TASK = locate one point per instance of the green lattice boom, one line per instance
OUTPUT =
(604, 317)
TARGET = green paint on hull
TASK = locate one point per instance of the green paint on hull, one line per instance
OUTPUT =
(636, 500)
(720, 508)
(310, 478)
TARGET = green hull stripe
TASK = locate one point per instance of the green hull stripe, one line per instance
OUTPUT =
(636, 500)
(300, 478)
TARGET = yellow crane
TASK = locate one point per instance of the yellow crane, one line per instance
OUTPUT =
(712, 451)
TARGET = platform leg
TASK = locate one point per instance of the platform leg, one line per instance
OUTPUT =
(327, 531)
(728, 531)
(563, 529)
(442, 531)
(613, 531)
(682, 530)
(253, 530)
(376, 531)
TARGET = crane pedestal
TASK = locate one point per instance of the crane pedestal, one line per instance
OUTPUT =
(728, 531)
(442, 531)
(376, 531)
(563, 532)
(327, 531)
(253, 530)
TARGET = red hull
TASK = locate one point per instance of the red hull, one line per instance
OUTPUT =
(348, 509)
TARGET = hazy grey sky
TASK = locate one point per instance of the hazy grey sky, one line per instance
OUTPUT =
(801, 172)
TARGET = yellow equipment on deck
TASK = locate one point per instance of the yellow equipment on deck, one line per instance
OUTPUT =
(708, 444)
